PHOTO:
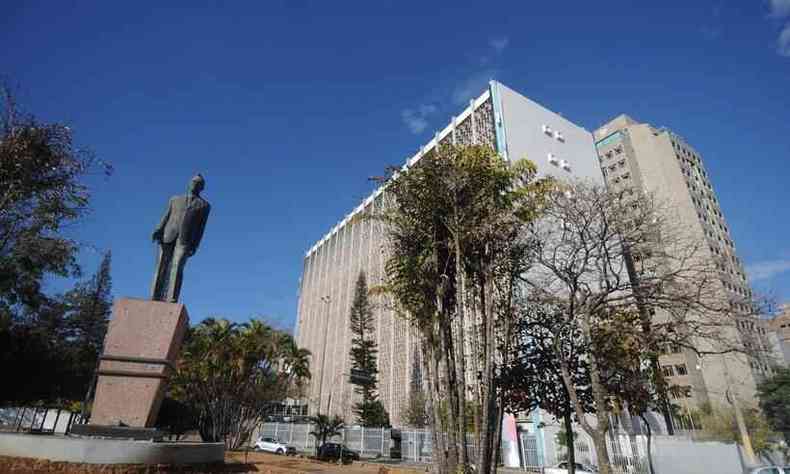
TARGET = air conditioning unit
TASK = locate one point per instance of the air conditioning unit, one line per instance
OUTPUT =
(565, 165)
(547, 130)
(559, 136)
(553, 159)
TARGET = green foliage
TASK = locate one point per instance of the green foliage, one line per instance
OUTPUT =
(59, 343)
(774, 395)
(325, 428)
(543, 338)
(373, 413)
(415, 413)
(230, 375)
(369, 410)
(719, 423)
(175, 417)
(455, 225)
(41, 193)
(47, 343)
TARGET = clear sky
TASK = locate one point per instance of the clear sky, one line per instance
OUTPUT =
(288, 107)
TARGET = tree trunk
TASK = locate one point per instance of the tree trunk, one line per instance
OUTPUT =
(431, 361)
(599, 396)
(460, 344)
(649, 444)
(497, 460)
(595, 432)
(488, 393)
(569, 439)
(447, 377)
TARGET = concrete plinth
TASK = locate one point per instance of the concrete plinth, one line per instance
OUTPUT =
(140, 350)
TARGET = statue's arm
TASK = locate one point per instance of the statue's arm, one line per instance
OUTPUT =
(157, 235)
(201, 226)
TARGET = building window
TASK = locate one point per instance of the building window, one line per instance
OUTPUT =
(668, 371)
(681, 369)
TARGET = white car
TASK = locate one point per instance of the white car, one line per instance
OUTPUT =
(562, 468)
(273, 446)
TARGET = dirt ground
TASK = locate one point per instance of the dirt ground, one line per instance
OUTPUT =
(274, 464)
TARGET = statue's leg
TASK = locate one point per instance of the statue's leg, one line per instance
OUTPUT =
(176, 272)
(159, 287)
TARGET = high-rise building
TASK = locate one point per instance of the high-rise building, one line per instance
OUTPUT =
(511, 124)
(642, 158)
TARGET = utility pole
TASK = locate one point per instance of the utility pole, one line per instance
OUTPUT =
(732, 397)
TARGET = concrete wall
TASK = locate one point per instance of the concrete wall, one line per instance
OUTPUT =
(107, 451)
(675, 455)
(524, 122)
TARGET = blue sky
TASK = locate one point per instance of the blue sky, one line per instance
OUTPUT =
(288, 107)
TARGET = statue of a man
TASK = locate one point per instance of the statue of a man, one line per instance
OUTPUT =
(178, 234)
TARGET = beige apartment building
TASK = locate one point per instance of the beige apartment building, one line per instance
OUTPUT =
(639, 157)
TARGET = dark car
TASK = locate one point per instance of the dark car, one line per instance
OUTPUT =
(331, 451)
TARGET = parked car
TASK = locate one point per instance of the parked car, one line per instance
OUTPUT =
(562, 468)
(331, 451)
(273, 446)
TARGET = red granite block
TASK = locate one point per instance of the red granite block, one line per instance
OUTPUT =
(141, 347)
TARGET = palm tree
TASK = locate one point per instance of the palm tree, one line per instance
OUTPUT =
(325, 428)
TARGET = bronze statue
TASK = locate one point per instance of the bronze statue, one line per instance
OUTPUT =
(178, 234)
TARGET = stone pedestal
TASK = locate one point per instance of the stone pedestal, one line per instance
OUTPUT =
(140, 350)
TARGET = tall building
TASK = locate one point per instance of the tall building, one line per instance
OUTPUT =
(644, 158)
(511, 124)
(780, 325)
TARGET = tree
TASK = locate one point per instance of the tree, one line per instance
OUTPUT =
(41, 192)
(774, 395)
(455, 228)
(325, 428)
(532, 380)
(60, 342)
(369, 410)
(414, 413)
(231, 375)
(584, 240)
(89, 306)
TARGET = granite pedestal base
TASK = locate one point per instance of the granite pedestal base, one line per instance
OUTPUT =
(140, 350)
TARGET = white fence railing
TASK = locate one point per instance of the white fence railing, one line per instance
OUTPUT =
(627, 452)
(416, 445)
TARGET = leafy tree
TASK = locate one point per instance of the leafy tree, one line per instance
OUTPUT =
(231, 375)
(41, 192)
(369, 410)
(374, 414)
(325, 428)
(455, 226)
(60, 342)
(89, 306)
(583, 242)
(774, 395)
(542, 338)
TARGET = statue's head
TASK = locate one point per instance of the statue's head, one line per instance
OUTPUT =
(196, 184)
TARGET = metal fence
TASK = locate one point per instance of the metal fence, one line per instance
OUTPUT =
(416, 445)
(38, 419)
